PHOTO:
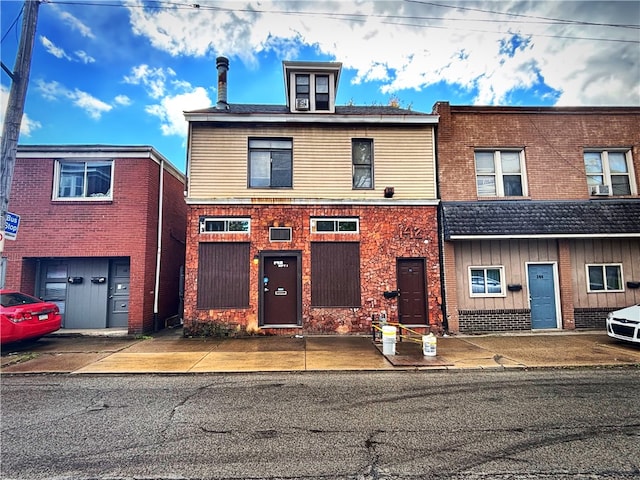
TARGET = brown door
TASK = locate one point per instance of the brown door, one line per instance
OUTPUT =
(411, 284)
(280, 290)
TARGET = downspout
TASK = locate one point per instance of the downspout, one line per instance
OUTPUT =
(159, 241)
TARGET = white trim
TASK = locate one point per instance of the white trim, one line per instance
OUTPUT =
(503, 282)
(313, 225)
(603, 265)
(203, 220)
(556, 289)
(545, 235)
(57, 172)
(326, 117)
(312, 201)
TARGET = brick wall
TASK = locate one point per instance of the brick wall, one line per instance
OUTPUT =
(485, 321)
(592, 318)
(386, 233)
(125, 227)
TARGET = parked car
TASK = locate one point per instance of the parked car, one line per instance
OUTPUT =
(624, 324)
(24, 317)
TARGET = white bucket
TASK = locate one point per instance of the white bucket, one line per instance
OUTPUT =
(388, 340)
(429, 344)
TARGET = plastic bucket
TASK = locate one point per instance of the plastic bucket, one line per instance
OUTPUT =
(388, 340)
(429, 345)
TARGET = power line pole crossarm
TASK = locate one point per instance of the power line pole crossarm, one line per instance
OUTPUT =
(15, 107)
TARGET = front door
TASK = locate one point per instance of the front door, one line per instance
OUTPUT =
(542, 296)
(412, 287)
(119, 278)
(280, 290)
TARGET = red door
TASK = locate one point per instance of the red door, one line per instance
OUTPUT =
(280, 291)
(413, 297)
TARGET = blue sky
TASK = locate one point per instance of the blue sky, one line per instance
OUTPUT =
(122, 72)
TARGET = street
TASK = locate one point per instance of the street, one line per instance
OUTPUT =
(542, 424)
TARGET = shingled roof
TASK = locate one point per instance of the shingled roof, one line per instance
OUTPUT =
(541, 218)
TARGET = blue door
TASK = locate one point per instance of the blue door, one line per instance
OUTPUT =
(542, 295)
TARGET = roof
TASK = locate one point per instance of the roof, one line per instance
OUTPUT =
(282, 113)
(528, 219)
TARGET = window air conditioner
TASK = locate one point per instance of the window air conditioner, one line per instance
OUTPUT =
(302, 104)
(600, 190)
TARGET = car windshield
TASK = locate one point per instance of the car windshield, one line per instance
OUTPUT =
(12, 299)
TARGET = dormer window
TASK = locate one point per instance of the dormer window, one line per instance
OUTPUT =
(322, 92)
(311, 86)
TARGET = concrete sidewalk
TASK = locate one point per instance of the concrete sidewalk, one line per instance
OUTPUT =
(168, 352)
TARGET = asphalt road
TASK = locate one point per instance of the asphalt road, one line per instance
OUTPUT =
(542, 424)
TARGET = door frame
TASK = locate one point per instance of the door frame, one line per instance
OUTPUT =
(556, 290)
(263, 256)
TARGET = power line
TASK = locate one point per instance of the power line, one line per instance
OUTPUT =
(13, 24)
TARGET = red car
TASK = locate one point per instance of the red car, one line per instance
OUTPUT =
(23, 317)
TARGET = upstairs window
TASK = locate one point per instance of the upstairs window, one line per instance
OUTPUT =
(303, 91)
(83, 180)
(609, 172)
(322, 92)
(605, 278)
(270, 163)
(362, 158)
(500, 173)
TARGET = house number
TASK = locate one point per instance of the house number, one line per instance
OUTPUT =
(410, 232)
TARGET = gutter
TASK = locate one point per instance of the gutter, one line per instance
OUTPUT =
(159, 250)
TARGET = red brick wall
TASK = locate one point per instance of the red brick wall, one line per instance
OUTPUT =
(553, 140)
(386, 233)
(124, 227)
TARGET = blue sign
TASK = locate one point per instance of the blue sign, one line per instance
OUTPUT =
(11, 226)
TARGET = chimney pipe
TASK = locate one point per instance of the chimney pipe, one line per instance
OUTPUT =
(222, 64)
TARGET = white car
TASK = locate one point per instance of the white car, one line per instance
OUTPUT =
(624, 324)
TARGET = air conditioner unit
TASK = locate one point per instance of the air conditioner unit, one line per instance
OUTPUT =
(600, 190)
(302, 104)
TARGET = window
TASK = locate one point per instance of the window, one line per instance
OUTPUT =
(302, 86)
(270, 163)
(335, 225)
(609, 168)
(83, 180)
(362, 158)
(223, 275)
(486, 281)
(500, 173)
(335, 274)
(604, 278)
(322, 92)
(224, 225)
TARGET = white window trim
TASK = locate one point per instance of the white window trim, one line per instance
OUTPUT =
(503, 284)
(203, 220)
(312, 91)
(56, 181)
(606, 171)
(314, 220)
(603, 265)
(497, 164)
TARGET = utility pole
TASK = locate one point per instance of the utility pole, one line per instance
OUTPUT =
(15, 107)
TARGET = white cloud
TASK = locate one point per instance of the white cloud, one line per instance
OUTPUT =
(27, 125)
(413, 45)
(153, 79)
(171, 110)
(84, 57)
(122, 100)
(87, 102)
(53, 49)
(76, 24)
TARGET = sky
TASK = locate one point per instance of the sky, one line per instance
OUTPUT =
(123, 72)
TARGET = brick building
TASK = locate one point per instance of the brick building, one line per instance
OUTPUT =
(301, 216)
(102, 234)
(540, 215)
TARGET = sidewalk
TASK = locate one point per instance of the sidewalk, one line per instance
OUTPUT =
(169, 353)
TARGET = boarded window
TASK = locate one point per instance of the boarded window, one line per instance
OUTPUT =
(335, 274)
(223, 275)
